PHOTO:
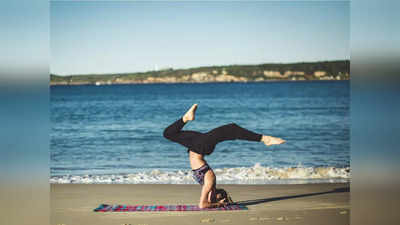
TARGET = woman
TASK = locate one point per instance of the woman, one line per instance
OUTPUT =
(201, 144)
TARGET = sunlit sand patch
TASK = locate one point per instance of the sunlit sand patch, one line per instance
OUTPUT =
(81, 209)
(264, 218)
(282, 218)
(207, 220)
(135, 224)
(330, 207)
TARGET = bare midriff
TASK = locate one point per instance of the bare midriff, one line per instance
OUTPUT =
(196, 160)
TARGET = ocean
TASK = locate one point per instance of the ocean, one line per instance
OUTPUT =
(113, 133)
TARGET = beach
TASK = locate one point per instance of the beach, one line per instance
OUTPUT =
(308, 204)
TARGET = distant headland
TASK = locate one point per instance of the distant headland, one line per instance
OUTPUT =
(324, 70)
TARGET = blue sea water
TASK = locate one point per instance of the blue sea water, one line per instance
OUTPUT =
(116, 130)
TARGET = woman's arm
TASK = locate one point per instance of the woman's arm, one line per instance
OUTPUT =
(213, 205)
(206, 191)
(204, 201)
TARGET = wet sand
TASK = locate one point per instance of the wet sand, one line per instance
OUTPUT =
(305, 204)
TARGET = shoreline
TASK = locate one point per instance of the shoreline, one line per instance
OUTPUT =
(278, 182)
(239, 175)
(265, 72)
(303, 204)
(211, 82)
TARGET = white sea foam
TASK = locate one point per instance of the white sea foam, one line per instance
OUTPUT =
(240, 175)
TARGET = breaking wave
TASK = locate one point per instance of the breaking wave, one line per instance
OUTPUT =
(240, 175)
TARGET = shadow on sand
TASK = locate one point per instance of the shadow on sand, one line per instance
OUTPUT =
(259, 201)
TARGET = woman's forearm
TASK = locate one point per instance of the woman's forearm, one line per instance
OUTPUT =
(211, 205)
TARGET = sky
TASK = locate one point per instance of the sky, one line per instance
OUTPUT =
(118, 37)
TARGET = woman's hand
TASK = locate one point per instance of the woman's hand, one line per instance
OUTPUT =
(222, 203)
(218, 204)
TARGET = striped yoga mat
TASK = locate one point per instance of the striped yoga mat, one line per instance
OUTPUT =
(161, 208)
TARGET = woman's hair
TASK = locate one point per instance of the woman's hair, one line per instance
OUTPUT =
(222, 194)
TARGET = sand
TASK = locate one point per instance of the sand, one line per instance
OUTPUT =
(305, 204)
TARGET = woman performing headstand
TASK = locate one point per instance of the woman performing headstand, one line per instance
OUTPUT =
(201, 144)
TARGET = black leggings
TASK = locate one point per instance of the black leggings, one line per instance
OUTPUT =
(204, 143)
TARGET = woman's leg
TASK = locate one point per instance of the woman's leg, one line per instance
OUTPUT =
(230, 131)
(233, 131)
(173, 130)
(175, 133)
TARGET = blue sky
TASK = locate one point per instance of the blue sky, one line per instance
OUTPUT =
(114, 37)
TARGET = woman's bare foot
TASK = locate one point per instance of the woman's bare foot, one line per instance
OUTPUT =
(189, 115)
(269, 140)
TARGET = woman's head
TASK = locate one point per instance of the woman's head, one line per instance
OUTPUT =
(222, 194)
